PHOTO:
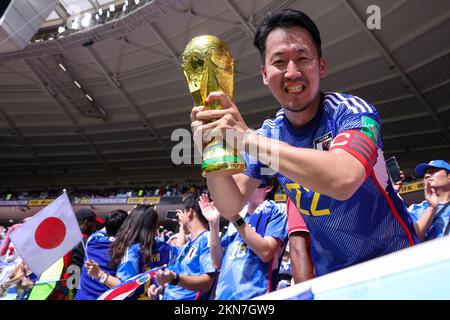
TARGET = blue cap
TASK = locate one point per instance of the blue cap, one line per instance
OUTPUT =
(440, 164)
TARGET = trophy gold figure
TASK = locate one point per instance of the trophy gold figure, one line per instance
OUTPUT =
(208, 67)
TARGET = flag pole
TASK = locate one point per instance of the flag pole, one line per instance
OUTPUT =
(85, 250)
(38, 283)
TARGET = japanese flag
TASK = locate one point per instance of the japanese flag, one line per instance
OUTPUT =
(48, 235)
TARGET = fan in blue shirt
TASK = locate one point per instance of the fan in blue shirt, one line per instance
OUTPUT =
(432, 216)
(250, 253)
(97, 247)
(194, 260)
(191, 275)
(134, 250)
(326, 151)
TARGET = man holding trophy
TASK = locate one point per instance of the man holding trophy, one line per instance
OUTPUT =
(326, 150)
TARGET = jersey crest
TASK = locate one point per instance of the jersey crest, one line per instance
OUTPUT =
(323, 142)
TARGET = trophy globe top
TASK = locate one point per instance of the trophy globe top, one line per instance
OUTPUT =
(208, 66)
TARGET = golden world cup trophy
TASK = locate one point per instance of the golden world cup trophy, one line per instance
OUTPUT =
(208, 67)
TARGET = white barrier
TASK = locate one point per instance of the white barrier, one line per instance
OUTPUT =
(419, 272)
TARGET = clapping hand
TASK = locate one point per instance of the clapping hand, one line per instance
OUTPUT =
(209, 211)
(430, 195)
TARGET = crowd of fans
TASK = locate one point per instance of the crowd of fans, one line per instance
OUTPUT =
(146, 191)
(127, 244)
(197, 260)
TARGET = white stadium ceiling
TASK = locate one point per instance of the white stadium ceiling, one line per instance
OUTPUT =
(52, 135)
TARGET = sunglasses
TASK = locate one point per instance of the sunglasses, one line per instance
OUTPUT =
(262, 186)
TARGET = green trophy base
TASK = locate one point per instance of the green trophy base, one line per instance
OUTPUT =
(220, 159)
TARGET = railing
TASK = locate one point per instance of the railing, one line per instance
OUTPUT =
(54, 31)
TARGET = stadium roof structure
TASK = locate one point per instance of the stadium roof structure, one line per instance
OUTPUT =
(97, 106)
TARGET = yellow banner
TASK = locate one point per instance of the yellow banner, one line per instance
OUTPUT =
(85, 201)
(280, 197)
(412, 187)
(39, 202)
(144, 200)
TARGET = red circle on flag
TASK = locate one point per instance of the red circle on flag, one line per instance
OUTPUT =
(50, 233)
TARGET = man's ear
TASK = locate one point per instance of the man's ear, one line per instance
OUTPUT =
(264, 74)
(190, 212)
(322, 67)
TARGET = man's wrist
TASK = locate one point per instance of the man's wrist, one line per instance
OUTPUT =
(214, 225)
(175, 279)
(237, 221)
(97, 275)
(103, 277)
(434, 208)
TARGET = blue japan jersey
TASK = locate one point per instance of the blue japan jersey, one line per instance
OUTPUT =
(133, 264)
(194, 259)
(374, 220)
(243, 275)
(97, 247)
(436, 229)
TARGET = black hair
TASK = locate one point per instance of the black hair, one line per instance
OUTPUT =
(272, 181)
(284, 19)
(191, 202)
(139, 227)
(114, 221)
